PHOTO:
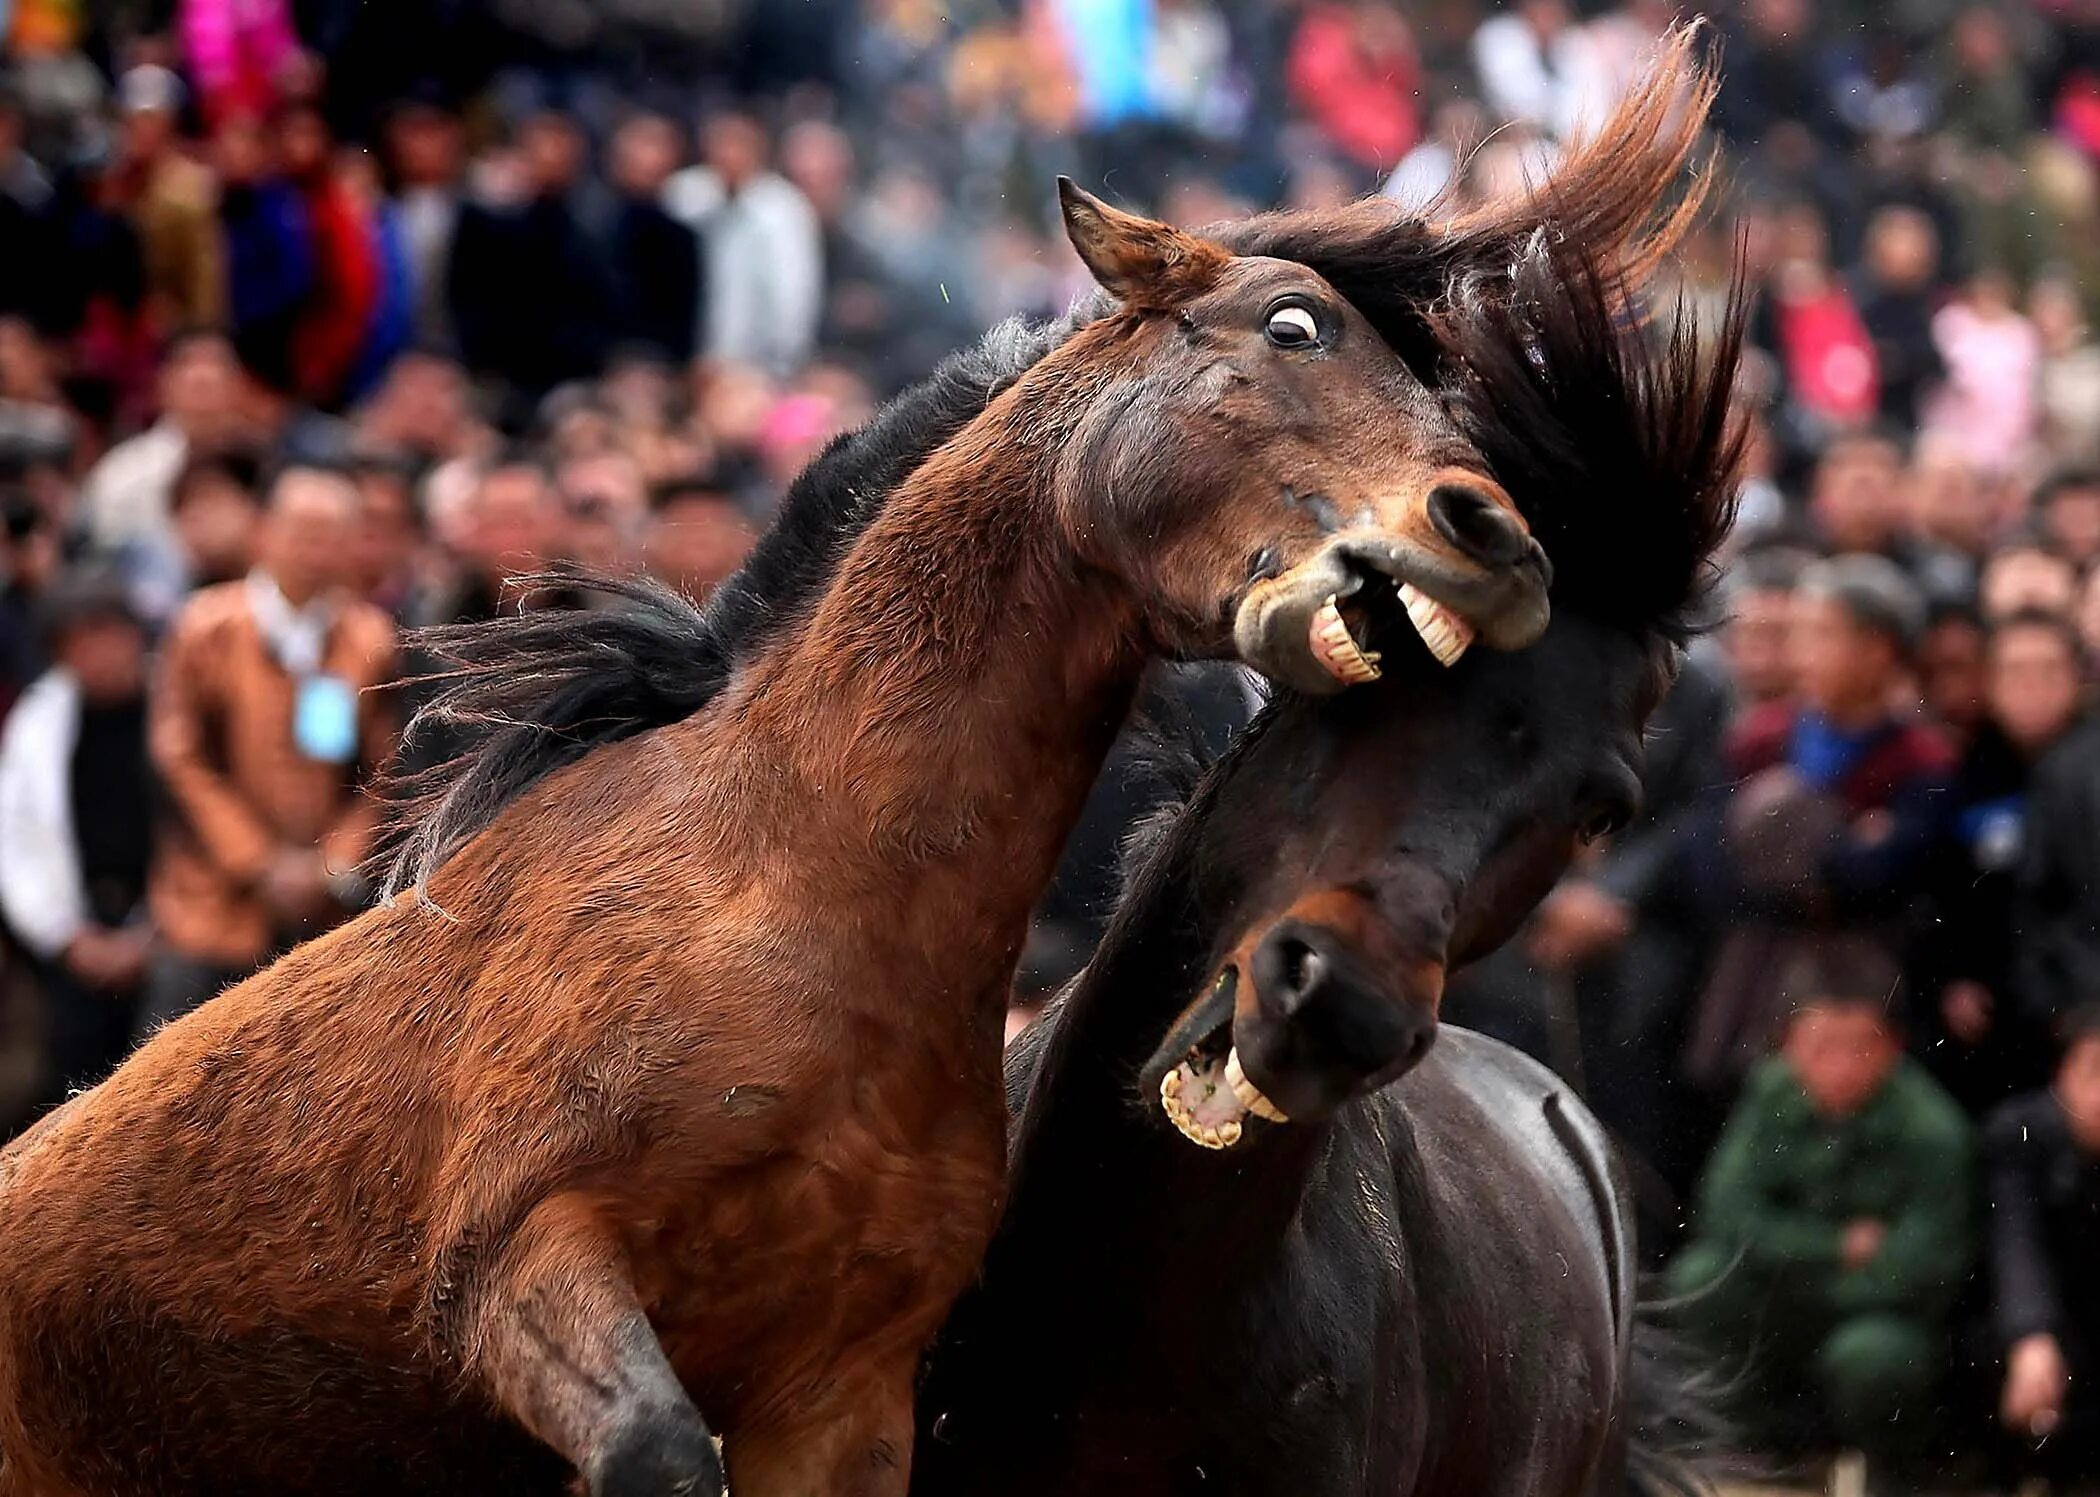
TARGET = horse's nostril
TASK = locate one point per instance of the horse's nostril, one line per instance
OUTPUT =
(1470, 519)
(1300, 966)
(1288, 970)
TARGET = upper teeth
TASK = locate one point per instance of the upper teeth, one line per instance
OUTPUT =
(1446, 634)
(1337, 651)
(1249, 1094)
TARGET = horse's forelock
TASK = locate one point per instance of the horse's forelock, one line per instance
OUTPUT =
(1615, 436)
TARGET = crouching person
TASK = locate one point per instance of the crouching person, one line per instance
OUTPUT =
(2042, 1159)
(1834, 1225)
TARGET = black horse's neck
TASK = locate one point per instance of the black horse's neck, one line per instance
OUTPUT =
(1090, 1142)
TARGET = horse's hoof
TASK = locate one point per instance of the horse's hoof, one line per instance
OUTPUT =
(658, 1454)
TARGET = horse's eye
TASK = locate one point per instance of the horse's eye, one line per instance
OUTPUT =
(1602, 823)
(1293, 327)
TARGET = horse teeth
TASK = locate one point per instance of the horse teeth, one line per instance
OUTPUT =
(1203, 1135)
(1446, 634)
(1336, 648)
(1250, 1095)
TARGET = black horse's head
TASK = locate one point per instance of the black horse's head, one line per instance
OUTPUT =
(1367, 845)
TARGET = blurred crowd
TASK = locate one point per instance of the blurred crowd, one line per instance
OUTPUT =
(321, 318)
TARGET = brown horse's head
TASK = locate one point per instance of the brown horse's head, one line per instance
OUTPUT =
(1362, 847)
(1269, 474)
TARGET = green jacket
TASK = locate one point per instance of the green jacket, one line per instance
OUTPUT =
(1783, 1184)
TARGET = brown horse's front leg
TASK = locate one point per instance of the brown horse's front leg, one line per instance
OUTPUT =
(853, 1441)
(562, 1345)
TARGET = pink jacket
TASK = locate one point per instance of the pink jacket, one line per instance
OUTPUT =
(237, 51)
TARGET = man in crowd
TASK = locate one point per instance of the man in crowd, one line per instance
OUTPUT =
(125, 497)
(1835, 807)
(265, 731)
(2042, 1154)
(173, 204)
(1834, 1220)
(1971, 1028)
(763, 250)
(698, 534)
(76, 829)
(1760, 599)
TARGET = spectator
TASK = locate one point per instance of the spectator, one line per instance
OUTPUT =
(1834, 1220)
(1535, 64)
(1760, 610)
(2042, 1155)
(605, 505)
(655, 259)
(76, 830)
(125, 497)
(525, 246)
(29, 229)
(1855, 501)
(422, 412)
(2025, 577)
(1813, 330)
(172, 202)
(2070, 392)
(1837, 802)
(1354, 71)
(698, 534)
(1951, 671)
(337, 318)
(2067, 514)
(1971, 1028)
(1895, 296)
(265, 732)
(390, 571)
(243, 55)
(269, 248)
(213, 515)
(763, 251)
(1952, 524)
(2058, 960)
(1987, 408)
(424, 152)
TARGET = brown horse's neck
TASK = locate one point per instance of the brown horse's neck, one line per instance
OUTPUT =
(948, 701)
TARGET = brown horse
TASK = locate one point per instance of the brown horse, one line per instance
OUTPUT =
(674, 1084)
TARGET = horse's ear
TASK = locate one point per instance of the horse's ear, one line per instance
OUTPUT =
(1141, 261)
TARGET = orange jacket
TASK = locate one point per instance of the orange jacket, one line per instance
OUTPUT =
(220, 733)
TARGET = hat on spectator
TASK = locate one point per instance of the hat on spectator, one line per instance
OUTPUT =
(149, 89)
(1876, 592)
(88, 596)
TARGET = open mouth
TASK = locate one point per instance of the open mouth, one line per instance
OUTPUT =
(1205, 1094)
(1340, 628)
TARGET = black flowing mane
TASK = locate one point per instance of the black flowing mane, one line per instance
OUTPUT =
(528, 694)
(1615, 436)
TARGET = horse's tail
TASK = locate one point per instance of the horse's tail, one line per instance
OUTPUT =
(1680, 1441)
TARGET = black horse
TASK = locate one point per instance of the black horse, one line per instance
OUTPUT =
(1424, 1288)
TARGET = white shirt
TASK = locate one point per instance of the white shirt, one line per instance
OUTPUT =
(125, 497)
(764, 267)
(41, 890)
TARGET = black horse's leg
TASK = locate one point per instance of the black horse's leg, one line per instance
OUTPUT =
(562, 1345)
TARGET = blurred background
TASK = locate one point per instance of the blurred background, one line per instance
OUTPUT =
(320, 318)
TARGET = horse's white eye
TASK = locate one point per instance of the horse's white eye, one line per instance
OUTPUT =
(1293, 327)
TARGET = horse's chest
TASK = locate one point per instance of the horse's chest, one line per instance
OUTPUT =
(859, 1231)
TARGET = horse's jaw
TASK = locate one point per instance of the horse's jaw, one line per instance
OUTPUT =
(1203, 1090)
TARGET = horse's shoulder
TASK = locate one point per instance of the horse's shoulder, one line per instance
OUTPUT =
(1551, 1134)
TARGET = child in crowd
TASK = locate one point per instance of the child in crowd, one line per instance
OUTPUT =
(1834, 1220)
